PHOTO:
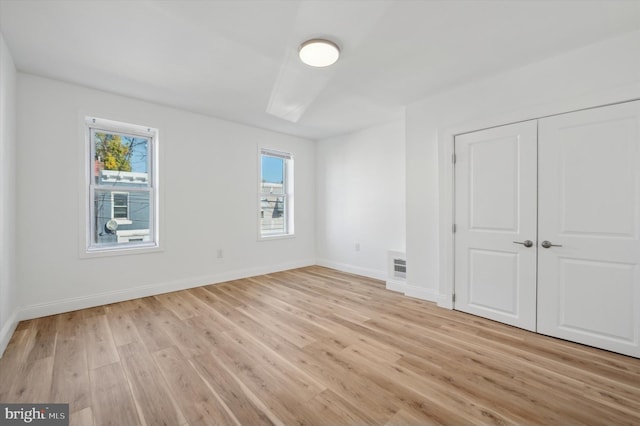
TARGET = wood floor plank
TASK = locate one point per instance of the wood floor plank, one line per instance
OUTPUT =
(269, 389)
(278, 326)
(179, 304)
(208, 298)
(70, 324)
(347, 413)
(207, 327)
(321, 361)
(45, 338)
(70, 381)
(123, 328)
(92, 312)
(149, 389)
(185, 338)
(439, 387)
(35, 383)
(101, 350)
(149, 328)
(457, 344)
(197, 307)
(310, 346)
(112, 400)
(511, 389)
(237, 397)
(405, 418)
(339, 306)
(199, 404)
(282, 375)
(309, 323)
(83, 417)
(560, 370)
(15, 356)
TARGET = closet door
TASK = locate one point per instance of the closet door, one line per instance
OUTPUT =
(589, 211)
(495, 240)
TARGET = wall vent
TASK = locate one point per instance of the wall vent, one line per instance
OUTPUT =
(396, 270)
(399, 268)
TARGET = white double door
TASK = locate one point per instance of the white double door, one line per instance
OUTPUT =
(548, 226)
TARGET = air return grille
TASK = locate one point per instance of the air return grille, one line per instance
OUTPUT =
(399, 268)
(396, 271)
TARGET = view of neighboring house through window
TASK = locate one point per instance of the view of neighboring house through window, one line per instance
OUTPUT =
(122, 189)
(120, 205)
(276, 193)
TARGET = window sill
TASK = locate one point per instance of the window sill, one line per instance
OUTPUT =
(276, 237)
(120, 251)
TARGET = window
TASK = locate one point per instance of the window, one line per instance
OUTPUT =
(120, 206)
(122, 187)
(276, 194)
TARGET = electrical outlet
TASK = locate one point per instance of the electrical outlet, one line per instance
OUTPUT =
(357, 246)
(220, 254)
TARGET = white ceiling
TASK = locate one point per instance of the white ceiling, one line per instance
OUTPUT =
(238, 59)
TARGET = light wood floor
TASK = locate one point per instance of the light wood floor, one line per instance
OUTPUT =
(309, 346)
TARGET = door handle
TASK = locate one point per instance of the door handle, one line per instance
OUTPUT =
(526, 243)
(547, 244)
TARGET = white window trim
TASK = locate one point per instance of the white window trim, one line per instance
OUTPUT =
(288, 195)
(87, 249)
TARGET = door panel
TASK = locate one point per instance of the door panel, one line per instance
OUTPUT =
(496, 205)
(589, 204)
(590, 291)
(493, 180)
(597, 171)
(501, 270)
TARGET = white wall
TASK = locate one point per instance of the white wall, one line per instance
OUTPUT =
(361, 199)
(8, 284)
(209, 201)
(602, 73)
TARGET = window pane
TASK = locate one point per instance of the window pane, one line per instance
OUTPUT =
(273, 175)
(137, 209)
(120, 199)
(120, 212)
(121, 160)
(273, 220)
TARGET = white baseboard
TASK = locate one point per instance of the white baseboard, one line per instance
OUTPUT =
(444, 301)
(72, 304)
(422, 293)
(365, 272)
(7, 331)
(395, 285)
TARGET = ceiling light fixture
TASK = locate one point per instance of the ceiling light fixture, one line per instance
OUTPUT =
(319, 53)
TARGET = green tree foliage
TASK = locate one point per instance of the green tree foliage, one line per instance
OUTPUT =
(112, 152)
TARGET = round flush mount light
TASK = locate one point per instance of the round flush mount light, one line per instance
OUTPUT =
(319, 52)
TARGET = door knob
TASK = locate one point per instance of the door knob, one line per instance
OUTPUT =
(547, 244)
(526, 243)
